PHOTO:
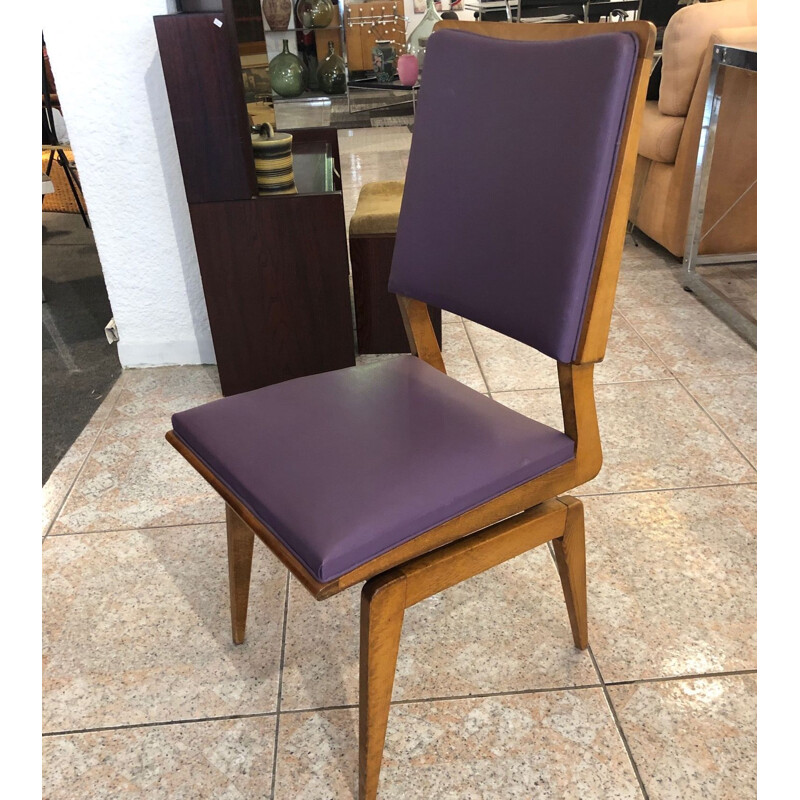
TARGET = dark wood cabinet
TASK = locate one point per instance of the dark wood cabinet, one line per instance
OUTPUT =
(274, 268)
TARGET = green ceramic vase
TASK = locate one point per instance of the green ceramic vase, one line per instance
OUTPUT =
(287, 74)
(331, 73)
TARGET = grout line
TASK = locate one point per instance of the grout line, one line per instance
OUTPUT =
(446, 698)
(141, 528)
(485, 695)
(314, 709)
(714, 421)
(477, 360)
(662, 489)
(573, 493)
(618, 725)
(689, 677)
(280, 688)
(644, 341)
(597, 384)
(134, 726)
(121, 382)
(671, 371)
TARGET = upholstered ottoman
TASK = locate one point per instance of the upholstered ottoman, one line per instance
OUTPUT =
(379, 326)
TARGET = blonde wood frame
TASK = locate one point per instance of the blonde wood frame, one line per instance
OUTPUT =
(514, 522)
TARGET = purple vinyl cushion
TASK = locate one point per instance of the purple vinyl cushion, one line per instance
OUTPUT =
(508, 180)
(346, 465)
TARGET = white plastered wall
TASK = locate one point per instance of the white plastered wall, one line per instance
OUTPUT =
(111, 87)
(107, 69)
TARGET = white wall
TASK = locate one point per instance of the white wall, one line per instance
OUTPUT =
(108, 72)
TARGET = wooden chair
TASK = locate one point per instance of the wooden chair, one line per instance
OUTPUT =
(393, 473)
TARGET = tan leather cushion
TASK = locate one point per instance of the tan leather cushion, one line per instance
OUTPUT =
(661, 134)
(377, 209)
(686, 40)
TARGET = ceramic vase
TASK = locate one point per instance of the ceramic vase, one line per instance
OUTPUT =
(287, 73)
(407, 69)
(272, 152)
(418, 40)
(277, 13)
(331, 73)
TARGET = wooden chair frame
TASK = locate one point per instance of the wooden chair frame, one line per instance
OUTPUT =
(512, 523)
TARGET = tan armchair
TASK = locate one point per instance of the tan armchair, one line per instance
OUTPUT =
(671, 132)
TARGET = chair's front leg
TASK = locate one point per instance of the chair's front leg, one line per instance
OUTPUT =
(240, 560)
(382, 609)
(570, 551)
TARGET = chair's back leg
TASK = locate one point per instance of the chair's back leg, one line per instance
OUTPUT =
(240, 559)
(382, 609)
(570, 551)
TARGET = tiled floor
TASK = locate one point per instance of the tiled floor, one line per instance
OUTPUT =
(146, 697)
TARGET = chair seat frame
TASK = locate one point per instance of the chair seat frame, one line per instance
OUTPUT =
(525, 517)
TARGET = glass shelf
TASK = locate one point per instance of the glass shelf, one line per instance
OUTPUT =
(304, 30)
(310, 94)
(313, 169)
(313, 166)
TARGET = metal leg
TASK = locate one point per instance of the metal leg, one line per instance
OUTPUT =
(740, 59)
(64, 161)
(634, 212)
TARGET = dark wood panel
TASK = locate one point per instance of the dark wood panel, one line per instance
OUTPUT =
(204, 85)
(275, 278)
(379, 325)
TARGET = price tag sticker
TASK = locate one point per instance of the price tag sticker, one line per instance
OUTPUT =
(218, 22)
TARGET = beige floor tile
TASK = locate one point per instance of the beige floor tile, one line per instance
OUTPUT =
(136, 629)
(510, 365)
(731, 403)
(692, 341)
(737, 283)
(549, 746)
(653, 436)
(672, 582)
(55, 490)
(222, 759)
(640, 251)
(504, 630)
(693, 738)
(449, 316)
(163, 391)
(134, 479)
(459, 358)
(642, 285)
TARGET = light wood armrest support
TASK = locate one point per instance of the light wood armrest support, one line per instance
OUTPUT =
(419, 329)
(576, 382)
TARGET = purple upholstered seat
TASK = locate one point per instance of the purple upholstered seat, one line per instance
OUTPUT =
(515, 143)
(346, 465)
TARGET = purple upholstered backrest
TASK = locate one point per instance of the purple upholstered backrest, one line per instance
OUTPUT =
(508, 180)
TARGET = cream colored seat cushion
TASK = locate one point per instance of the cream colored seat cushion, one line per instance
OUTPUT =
(661, 134)
(378, 209)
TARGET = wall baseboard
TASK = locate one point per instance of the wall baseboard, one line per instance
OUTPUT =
(161, 354)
